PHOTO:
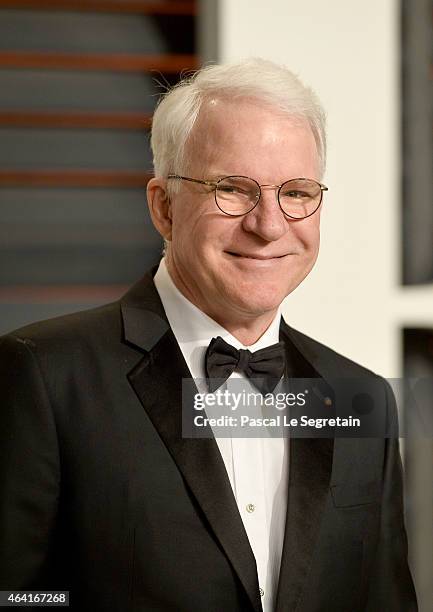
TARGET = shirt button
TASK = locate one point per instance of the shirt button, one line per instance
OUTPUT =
(250, 508)
(261, 591)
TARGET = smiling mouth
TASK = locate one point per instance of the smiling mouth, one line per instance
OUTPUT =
(258, 256)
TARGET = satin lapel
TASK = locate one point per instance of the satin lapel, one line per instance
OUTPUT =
(310, 471)
(157, 381)
(310, 468)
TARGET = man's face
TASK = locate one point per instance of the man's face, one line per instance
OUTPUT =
(243, 267)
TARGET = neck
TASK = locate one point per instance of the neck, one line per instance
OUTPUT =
(247, 331)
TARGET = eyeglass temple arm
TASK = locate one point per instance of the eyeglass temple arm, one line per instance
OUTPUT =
(192, 180)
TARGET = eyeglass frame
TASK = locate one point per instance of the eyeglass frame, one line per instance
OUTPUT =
(214, 184)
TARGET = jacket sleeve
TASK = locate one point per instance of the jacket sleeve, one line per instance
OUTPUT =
(391, 588)
(29, 468)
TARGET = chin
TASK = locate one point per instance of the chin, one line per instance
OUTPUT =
(256, 303)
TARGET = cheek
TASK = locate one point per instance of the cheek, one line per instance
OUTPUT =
(308, 233)
(184, 225)
(216, 232)
(194, 242)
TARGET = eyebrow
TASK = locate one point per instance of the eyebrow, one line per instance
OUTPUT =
(218, 175)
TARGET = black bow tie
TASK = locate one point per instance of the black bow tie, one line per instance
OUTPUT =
(264, 367)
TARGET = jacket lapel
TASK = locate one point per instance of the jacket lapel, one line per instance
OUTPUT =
(309, 476)
(157, 381)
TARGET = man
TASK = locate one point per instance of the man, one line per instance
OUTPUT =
(100, 493)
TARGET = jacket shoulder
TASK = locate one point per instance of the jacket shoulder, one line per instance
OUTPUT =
(70, 329)
(320, 353)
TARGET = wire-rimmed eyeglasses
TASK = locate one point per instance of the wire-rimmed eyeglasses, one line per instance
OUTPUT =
(298, 198)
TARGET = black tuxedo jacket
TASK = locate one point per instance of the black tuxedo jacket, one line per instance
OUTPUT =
(101, 496)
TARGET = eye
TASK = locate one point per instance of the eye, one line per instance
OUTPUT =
(230, 189)
(296, 194)
(236, 189)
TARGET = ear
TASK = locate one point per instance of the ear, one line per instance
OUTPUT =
(159, 206)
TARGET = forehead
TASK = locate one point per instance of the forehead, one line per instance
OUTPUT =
(239, 136)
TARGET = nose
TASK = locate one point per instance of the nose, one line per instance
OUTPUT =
(266, 219)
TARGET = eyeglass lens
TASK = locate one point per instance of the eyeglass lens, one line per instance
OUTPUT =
(237, 195)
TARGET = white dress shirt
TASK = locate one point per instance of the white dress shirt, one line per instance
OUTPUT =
(256, 467)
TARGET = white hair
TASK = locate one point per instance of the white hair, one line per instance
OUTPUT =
(262, 80)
